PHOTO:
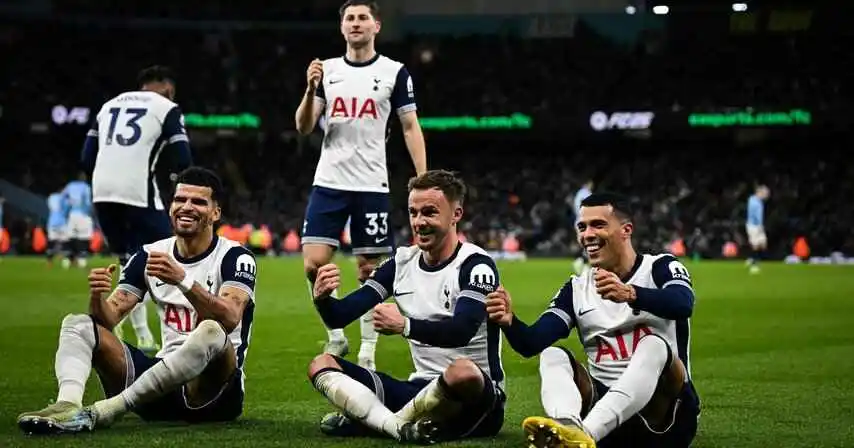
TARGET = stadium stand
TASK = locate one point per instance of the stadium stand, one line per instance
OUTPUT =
(690, 184)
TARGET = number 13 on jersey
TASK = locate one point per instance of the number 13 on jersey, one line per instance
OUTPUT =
(128, 120)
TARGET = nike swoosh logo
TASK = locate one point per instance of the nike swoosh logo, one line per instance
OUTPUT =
(581, 313)
(400, 293)
(380, 240)
(335, 81)
(159, 284)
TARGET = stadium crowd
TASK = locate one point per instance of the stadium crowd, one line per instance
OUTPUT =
(691, 187)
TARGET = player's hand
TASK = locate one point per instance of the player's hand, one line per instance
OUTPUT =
(387, 319)
(314, 74)
(610, 287)
(101, 281)
(327, 281)
(499, 307)
(160, 265)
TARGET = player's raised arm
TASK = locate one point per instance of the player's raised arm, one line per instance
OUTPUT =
(339, 313)
(313, 100)
(129, 292)
(674, 297)
(403, 101)
(553, 325)
(478, 277)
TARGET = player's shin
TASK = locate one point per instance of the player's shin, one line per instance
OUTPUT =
(368, 346)
(73, 364)
(208, 341)
(632, 391)
(357, 401)
(560, 395)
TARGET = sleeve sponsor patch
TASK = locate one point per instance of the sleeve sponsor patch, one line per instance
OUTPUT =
(678, 271)
(483, 277)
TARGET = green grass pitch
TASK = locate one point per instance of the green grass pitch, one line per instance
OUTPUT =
(772, 357)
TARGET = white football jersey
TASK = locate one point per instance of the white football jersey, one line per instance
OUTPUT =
(357, 101)
(428, 295)
(132, 129)
(225, 263)
(610, 331)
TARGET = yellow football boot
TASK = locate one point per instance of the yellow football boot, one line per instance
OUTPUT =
(543, 432)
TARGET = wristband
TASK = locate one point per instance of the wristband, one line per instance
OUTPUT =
(406, 327)
(187, 284)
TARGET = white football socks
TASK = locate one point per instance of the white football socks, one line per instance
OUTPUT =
(632, 391)
(368, 346)
(73, 361)
(358, 402)
(558, 391)
(204, 344)
(336, 334)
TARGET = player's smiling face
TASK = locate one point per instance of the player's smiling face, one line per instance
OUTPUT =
(192, 210)
(432, 217)
(358, 25)
(602, 234)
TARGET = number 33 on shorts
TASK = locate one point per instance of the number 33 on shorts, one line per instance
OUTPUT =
(377, 225)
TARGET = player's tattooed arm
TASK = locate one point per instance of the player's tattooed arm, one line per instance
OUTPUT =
(110, 311)
(226, 307)
(238, 271)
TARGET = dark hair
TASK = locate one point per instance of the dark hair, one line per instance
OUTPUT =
(202, 177)
(621, 205)
(372, 5)
(155, 73)
(451, 185)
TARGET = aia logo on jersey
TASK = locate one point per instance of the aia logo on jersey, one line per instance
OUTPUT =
(353, 108)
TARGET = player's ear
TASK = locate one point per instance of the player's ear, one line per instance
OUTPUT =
(458, 213)
(379, 25)
(628, 228)
(217, 212)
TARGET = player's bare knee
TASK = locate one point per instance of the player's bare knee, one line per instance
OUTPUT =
(323, 361)
(464, 378)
